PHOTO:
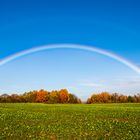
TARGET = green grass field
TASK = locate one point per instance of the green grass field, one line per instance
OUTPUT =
(74, 122)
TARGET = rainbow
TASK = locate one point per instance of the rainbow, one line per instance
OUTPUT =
(71, 46)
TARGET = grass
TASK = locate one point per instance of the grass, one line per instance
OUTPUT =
(75, 122)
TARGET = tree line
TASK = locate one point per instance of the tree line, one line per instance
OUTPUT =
(64, 97)
(41, 96)
(106, 97)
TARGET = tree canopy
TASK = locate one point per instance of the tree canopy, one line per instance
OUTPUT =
(64, 97)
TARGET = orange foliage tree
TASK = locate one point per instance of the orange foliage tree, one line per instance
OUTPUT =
(64, 96)
(42, 96)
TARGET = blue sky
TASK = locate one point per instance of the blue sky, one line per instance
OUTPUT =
(81, 72)
(112, 25)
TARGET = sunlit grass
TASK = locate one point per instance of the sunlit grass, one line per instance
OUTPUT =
(57, 121)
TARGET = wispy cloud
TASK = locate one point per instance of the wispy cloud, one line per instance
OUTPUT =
(127, 82)
(90, 84)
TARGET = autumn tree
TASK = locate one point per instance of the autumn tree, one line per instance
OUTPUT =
(30, 96)
(123, 99)
(73, 99)
(103, 97)
(41, 96)
(63, 96)
(114, 97)
(53, 97)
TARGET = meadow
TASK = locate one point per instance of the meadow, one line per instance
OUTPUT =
(21, 121)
